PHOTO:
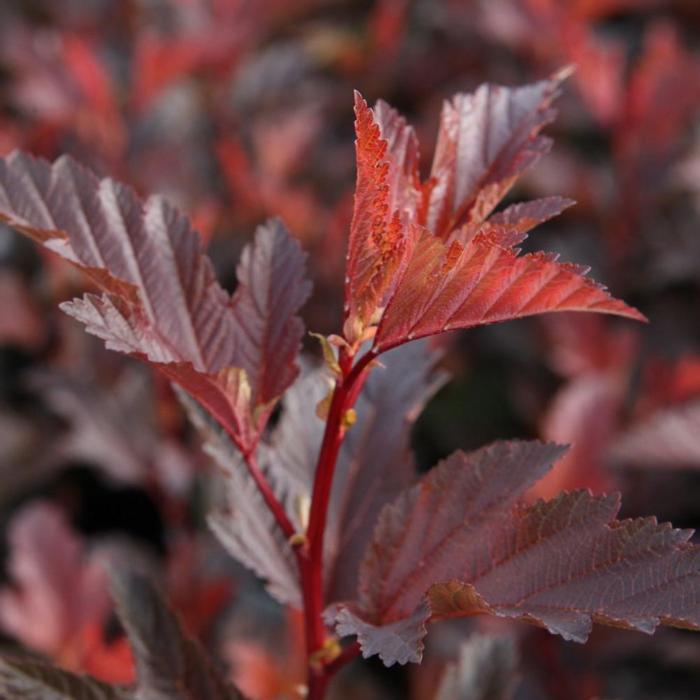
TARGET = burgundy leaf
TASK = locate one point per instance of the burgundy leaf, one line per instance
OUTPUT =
(460, 543)
(452, 286)
(486, 140)
(162, 301)
(171, 666)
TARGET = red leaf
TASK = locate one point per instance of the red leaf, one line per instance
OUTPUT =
(459, 543)
(162, 302)
(486, 140)
(386, 197)
(448, 287)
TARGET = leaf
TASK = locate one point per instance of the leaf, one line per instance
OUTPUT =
(386, 197)
(57, 588)
(244, 525)
(162, 302)
(170, 665)
(375, 462)
(669, 438)
(521, 218)
(484, 670)
(486, 140)
(460, 543)
(26, 679)
(446, 287)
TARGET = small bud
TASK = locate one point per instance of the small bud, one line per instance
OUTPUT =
(349, 419)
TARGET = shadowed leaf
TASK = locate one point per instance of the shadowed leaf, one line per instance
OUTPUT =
(26, 679)
(170, 665)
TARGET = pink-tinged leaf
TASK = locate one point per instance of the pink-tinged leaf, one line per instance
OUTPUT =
(170, 665)
(375, 462)
(461, 543)
(486, 140)
(57, 589)
(243, 523)
(526, 215)
(484, 670)
(446, 287)
(668, 439)
(386, 197)
(162, 301)
(511, 226)
(272, 287)
(585, 414)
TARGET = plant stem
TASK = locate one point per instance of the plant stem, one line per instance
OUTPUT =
(276, 508)
(345, 394)
(310, 555)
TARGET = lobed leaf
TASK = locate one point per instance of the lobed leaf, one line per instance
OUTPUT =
(421, 265)
(27, 679)
(161, 299)
(460, 543)
(485, 141)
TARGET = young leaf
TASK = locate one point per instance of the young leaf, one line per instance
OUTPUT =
(459, 543)
(162, 302)
(417, 268)
(58, 590)
(170, 665)
(386, 197)
(27, 679)
(486, 140)
(484, 670)
(452, 286)
(521, 218)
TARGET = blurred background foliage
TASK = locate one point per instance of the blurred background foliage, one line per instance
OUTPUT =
(241, 109)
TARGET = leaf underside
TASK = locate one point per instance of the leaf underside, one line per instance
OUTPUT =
(161, 301)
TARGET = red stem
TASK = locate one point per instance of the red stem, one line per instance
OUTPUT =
(276, 508)
(310, 554)
(345, 394)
